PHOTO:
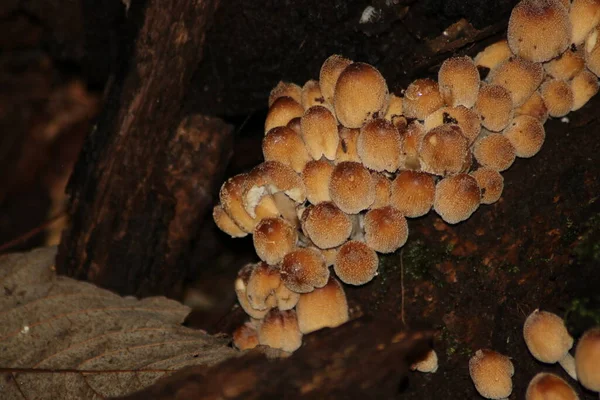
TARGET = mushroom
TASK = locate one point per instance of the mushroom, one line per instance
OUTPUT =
(584, 86)
(286, 299)
(565, 67)
(356, 263)
(326, 225)
(587, 359)
(264, 279)
(458, 80)
(467, 119)
(379, 145)
(383, 188)
(316, 178)
(557, 96)
(429, 364)
(245, 337)
(584, 16)
(443, 150)
(413, 193)
(492, 56)
(539, 30)
(494, 105)
(273, 238)
(592, 52)
(494, 151)
(351, 188)
(394, 111)
(287, 89)
(280, 330)
(325, 307)
(361, 94)
(329, 74)
(421, 98)
(526, 134)
(548, 340)
(241, 285)
(534, 107)
(348, 145)
(386, 229)
(303, 270)
(286, 146)
(491, 373)
(456, 198)
(320, 132)
(545, 386)
(226, 224)
(490, 182)
(283, 110)
(413, 137)
(312, 96)
(520, 77)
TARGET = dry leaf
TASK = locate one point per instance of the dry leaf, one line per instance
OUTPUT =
(65, 339)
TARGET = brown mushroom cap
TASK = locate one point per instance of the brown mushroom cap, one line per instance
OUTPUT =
(557, 96)
(490, 182)
(303, 270)
(539, 30)
(241, 285)
(325, 307)
(320, 132)
(326, 225)
(287, 89)
(592, 52)
(428, 365)
(413, 193)
(282, 111)
(546, 336)
(383, 188)
(526, 134)
(280, 330)
(226, 224)
(273, 238)
(361, 94)
(348, 145)
(351, 189)
(566, 66)
(330, 72)
(494, 151)
(493, 55)
(422, 97)
(316, 177)
(491, 373)
(356, 263)
(312, 96)
(534, 107)
(584, 86)
(286, 299)
(245, 337)
(286, 146)
(443, 150)
(584, 16)
(494, 105)
(467, 119)
(459, 81)
(394, 111)
(413, 138)
(545, 386)
(386, 229)
(520, 77)
(587, 356)
(456, 198)
(379, 145)
(264, 279)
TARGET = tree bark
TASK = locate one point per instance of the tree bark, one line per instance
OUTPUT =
(147, 172)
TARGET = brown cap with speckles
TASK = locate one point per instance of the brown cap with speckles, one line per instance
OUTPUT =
(459, 81)
(261, 285)
(286, 146)
(520, 77)
(526, 134)
(491, 184)
(534, 107)
(320, 132)
(280, 330)
(226, 224)
(282, 111)
(245, 337)
(351, 188)
(383, 188)
(413, 137)
(491, 373)
(467, 119)
(413, 193)
(312, 96)
(493, 55)
(494, 151)
(557, 96)
(569, 64)
(422, 97)
(443, 150)
(386, 229)
(456, 198)
(273, 239)
(584, 86)
(494, 105)
(356, 263)
(348, 145)
(303, 270)
(316, 177)
(325, 307)
(287, 89)
(330, 72)
(587, 355)
(241, 284)
(584, 16)
(545, 386)
(380, 145)
(326, 225)
(394, 111)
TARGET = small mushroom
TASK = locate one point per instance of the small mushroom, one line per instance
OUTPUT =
(584, 86)
(490, 182)
(520, 77)
(413, 138)
(386, 229)
(557, 96)
(303, 270)
(241, 286)
(264, 279)
(467, 119)
(546, 386)
(456, 198)
(584, 16)
(273, 238)
(459, 81)
(526, 134)
(491, 373)
(587, 359)
(348, 145)
(492, 56)
(245, 337)
(592, 52)
(356, 263)
(320, 132)
(494, 151)
(312, 96)
(534, 107)
(226, 224)
(443, 150)
(285, 89)
(280, 330)
(286, 146)
(494, 105)
(316, 178)
(429, 364)
(329, 74)
(383, 188)
(326, 225)
(379, 145)
(421, 98)
(325, 307)
(351, 188)
(282, 111)
(548, 340)
(394, 111)
(565, 67)
(413, 193)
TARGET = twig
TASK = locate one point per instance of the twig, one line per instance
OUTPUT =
(28, 235)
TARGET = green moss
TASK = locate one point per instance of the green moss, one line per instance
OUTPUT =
(588, 246)
(582, 314)
(418, 259)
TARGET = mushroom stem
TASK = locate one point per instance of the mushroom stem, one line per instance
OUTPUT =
(568, 364)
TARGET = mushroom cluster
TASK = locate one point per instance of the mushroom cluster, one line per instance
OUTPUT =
(347, 162)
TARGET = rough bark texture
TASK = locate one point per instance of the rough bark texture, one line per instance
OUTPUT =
(146, 174)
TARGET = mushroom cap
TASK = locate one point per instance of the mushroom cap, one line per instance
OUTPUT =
(490, 182)
(361, 94)
(312, 96)
(428, 365)
(324, 307)
(231, 197)
(280, 330)
(584, 86)
(458, 80)
(467, 119)
(494, 151)
(380, 145)
(394, 111)
(329, 74)
(584, 16)
(539, 30)
(443, 150)
(386, 229)
(356, 263)
(326, 225)
(549, 386)
(351, 188)
(303, 270)
(413, 193)
(587, 356)
(491, 373)
(383, 189)
(226, 224)
(316, 178)
(592, 52)
(320, 132)
(283, 110)
(286, 146)
(493, 55)
(241, 285)
(520, 77)
(494, 105)
(456, 198)
(286, 299)
(557, 96)
(421, 98)
(273, 177)
(526, 134)
(245, 337)
(273, 238)
(546, 336)
(413, 138)
(287, 89)
(566, 66)
(348, 145)
(264, 279)
(534, 107)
